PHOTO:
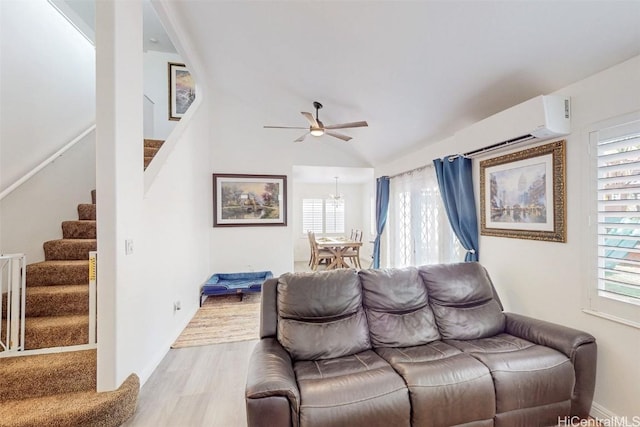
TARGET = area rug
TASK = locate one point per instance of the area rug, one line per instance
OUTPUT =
(222, 319)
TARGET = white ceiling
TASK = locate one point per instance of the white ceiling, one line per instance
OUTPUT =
(324, 174)
(417, 71)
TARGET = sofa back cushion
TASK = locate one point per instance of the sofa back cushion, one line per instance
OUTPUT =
(397, 308)
(320, 315)
(462, 298)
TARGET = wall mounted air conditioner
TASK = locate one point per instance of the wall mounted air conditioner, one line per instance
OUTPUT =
(540, 118)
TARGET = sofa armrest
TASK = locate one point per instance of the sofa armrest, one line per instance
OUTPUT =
(558, 337)
(272, 395)
(580, 347)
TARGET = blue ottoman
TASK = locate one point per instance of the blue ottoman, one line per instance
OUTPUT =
(234, 283)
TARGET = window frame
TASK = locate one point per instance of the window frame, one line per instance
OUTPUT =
(305, 222)
(333, 207)
(324, 206)
(618, 308)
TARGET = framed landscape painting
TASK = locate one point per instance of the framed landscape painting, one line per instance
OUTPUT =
(522, 194)
(182, 90)
(249, 200)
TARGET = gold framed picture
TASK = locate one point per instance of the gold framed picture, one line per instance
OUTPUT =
(523, 194)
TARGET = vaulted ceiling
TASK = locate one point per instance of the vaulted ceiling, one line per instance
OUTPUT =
(416, 71)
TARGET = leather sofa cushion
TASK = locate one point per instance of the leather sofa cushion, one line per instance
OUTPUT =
(531, 377)
(462, 299)
(357, 390)
(320, 315)
(497, 344)
(422, 353)
(397, 308)
(438, 376)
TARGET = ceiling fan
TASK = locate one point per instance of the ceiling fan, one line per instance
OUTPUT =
(317, 128)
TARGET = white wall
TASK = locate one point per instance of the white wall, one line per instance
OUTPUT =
(356, 213)
(33, 213)
(174, 246)
(547, 280)
(120, 183)
(165, 210)
(47, 81)
(156, 87)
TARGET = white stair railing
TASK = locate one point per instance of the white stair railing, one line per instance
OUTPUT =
(12, 310)
(46, 162)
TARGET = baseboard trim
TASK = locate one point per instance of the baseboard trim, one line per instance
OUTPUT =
(599, 412)
(150, 367)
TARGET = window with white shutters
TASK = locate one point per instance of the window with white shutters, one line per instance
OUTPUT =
(323, 216)
(334, 215)
(618, 223)
(312, 215)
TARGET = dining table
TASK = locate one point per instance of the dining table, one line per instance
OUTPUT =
(339, 247)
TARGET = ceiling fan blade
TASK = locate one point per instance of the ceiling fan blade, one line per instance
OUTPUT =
(348, 125)
(338, 135)
(285, 127)
(301, 138)
(312, 120)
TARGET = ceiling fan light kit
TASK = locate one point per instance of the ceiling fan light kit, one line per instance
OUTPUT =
(317, 128)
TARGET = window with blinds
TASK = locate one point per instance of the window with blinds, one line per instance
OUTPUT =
(617, 152)
(312, 215)
(334, 215)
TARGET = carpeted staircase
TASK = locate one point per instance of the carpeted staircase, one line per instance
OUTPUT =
(57, 308)
(151, 147)
(59, 389)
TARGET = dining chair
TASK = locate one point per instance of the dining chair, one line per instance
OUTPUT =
(318, 254)
(353, 254)
(311, 237)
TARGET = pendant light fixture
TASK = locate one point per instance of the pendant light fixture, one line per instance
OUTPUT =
(336, 196)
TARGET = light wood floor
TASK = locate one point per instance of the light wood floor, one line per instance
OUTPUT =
(199, 386)
(196, 386)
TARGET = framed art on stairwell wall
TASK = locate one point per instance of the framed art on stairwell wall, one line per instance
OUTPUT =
(182, 90)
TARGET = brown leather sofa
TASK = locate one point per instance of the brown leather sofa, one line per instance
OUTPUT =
(427, 346)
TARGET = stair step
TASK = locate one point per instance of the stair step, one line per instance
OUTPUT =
(54, 300)
(46, 273)
(56, 331)
(86, 211)
(106, 409)
(69, 249)
(83, 229)
(57, 300)
(35, 376)
(93, 196)
(147, 160)
(153, 143)
(150, 151)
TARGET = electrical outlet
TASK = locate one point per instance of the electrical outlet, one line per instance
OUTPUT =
(128, 246)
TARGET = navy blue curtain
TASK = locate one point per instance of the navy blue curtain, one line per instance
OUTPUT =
(456, 187)
(382, 205)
